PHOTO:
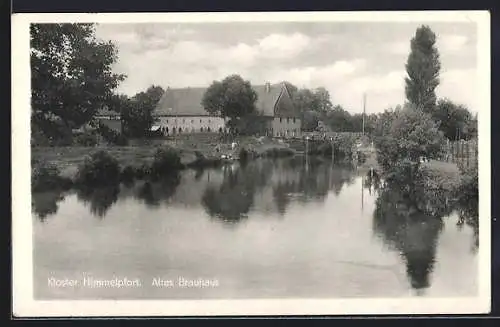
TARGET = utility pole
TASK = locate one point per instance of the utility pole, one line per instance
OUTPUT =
(364, 112)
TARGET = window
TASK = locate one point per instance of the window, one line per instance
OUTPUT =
(201, 129)
(166, 129)
(200, 120)
(192, 121)
(180, 130)
(288, 120)
(208, 128)
(280, 119)
(220, 129)
(167, 121)
(183, 120)
(294, 120)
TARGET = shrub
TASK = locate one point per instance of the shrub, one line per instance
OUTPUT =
(85, 139)
(128, 174)
(111, 136)
(361, 157)
(165, 161)
(45, 176)
(468, 187)
(142, 171)
(99, 169)
(410, 135)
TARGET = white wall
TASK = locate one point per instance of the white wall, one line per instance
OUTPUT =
(191, 124)
(286, 127)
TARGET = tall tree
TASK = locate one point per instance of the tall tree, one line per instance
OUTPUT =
(454, 120)
(233, 97)
(423, 68)
(71, 75)
(137, 112)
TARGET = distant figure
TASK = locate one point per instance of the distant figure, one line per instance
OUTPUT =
(233, 145)
(217, 148)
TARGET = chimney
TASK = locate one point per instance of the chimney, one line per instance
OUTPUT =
(268, 87)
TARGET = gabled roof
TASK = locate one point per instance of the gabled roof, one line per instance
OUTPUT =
(187, 101)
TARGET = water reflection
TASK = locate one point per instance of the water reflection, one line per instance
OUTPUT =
(45, 204)
(233, 199)
(411, 232)
(468, 214)
(153, 193)
(99, 199)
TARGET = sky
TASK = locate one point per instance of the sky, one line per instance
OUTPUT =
(346, 58)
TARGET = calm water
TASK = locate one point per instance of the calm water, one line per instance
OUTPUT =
(269, 229)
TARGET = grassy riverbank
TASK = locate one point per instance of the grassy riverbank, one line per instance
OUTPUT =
(190, 150)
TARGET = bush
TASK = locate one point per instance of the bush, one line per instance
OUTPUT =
(142, 171)
(85, 139)
(128, 174)
(99, 169)
(468, 188)
(165, 161)
(361, 157)
(45, 176)
(111, 136)
(410, 135)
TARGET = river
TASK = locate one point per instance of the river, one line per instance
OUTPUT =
(269, 229)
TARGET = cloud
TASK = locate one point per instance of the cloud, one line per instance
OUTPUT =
(460, 86)
(278, 46)
(399, 48)
(451, 42)
(345, 62)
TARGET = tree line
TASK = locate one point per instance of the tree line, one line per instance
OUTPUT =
(72, 79)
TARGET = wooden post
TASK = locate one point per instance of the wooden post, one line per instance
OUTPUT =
(333, 150)
(362, 191)
(468, 154)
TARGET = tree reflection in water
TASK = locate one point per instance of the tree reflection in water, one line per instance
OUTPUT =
(153, 193)
(289, 180)
(100, 199)
(308, 182)
(409, 231)
(234, 198)
(45, 204)
(468, 214)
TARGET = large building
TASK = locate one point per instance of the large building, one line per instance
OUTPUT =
(180, 111)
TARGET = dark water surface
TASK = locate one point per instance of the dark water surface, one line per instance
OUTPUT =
(266, 230)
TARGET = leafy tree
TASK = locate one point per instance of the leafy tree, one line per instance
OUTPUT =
(339, 120)
(233, 97)
(138, 111)
(454, 120)
(71, 76)
(312, 105)
(411, 134)
(423, 68)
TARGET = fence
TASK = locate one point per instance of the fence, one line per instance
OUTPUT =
(463, 153)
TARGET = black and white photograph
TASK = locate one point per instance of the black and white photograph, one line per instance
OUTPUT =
(251, 164)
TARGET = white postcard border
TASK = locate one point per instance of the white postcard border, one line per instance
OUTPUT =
(22, 245)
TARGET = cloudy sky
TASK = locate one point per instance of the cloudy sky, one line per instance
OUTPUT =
(347, 58)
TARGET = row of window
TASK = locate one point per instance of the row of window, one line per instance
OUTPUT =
(166, 130)
(287, 120)
(184, 121)
(192, 120)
